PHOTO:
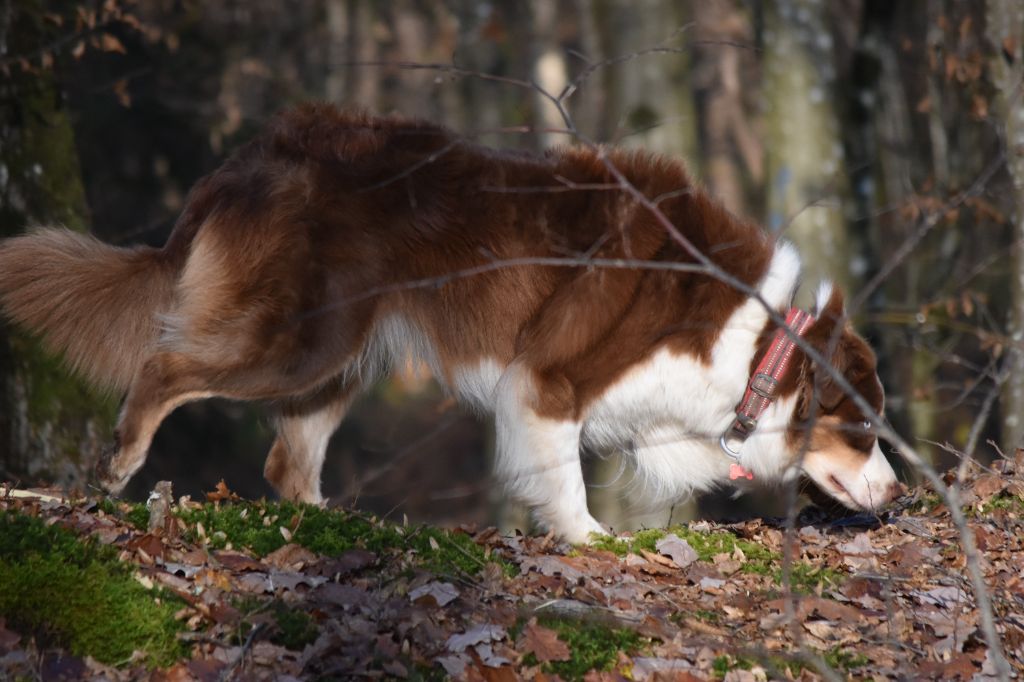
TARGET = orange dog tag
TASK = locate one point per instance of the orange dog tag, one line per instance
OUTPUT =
(737, 471)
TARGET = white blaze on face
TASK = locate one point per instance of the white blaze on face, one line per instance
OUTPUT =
(858, 480)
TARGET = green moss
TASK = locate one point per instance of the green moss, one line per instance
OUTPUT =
(706, 616)
(137, 515)
(257, 526)
(680, 617)
(42, 162)
(77, 595)
(841, 659)
(807, 578)
(1003, 501)
(707, 545)
(53, 391)
(723, 664)
(791, 668)
(610, 543)
(296, 628)
(424, 673)
(592, 646)
(835, 658)
(134, 514)
(58, 404)
(293, 627)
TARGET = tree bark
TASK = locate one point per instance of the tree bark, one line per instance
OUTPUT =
(805, 153)
(1005, 33)
(50, 425)
(733, 155)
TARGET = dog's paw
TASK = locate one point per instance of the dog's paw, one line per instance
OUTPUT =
(105, 469)
(584, 532)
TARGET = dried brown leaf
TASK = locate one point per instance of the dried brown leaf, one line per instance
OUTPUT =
(476, 634)
(110, 43)
(120, 89)
(658, 559)
(678, 549)
(290, 557)
(543, 643)
(221, 493)
(988, 485)
(8, 639)
(237, 561)
(440, 594)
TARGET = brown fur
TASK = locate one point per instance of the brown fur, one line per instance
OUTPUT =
(91, 302)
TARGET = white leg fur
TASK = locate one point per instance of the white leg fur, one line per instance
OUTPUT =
(297, 457)
(539, 459)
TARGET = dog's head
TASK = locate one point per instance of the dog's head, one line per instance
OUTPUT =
(837, 439)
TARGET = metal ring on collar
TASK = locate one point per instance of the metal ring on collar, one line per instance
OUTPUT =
(723, 442)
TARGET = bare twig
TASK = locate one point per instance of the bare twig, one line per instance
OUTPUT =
(239, 663)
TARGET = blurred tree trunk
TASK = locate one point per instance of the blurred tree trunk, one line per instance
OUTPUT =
(878, 130)
(1005, 31)
(49, 425)
(733, 155)
(350, 27)
(338, 25)
(588, 102)
(805, 151)
(953, 148)
(550, 73)
(648, 99)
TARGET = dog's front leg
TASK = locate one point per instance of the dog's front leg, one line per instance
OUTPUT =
(539, 458)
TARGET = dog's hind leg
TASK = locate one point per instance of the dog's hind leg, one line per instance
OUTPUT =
(170, 379)
(165, 381)
(255, 317)
(304, 428)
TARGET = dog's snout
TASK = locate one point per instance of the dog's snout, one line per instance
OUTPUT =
(880, 495)
(895, 490)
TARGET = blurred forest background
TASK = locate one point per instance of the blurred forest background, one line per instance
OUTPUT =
(885, 138)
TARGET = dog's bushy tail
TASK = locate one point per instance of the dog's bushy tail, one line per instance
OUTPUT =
(94, 303)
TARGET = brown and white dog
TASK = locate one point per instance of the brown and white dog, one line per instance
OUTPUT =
(336, 244)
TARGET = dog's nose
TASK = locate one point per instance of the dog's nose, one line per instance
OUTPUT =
(895, 489)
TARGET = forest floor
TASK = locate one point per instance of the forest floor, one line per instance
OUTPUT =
(230, 589)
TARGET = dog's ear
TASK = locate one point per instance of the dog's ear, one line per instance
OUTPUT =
(819, 389)
(829, 393)
(829, 305)
(828, 336)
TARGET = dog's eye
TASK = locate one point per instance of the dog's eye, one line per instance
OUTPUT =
(866, 425)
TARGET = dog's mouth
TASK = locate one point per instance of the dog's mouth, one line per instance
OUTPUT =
(827, 490)
(837, 484)
(841, 493)
(857, 495)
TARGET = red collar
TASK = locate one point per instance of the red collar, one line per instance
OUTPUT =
(762, 389)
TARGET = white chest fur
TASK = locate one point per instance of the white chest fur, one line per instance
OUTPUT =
(672, 408)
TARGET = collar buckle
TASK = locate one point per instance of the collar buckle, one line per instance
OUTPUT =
(763, 385)
(747, 423)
